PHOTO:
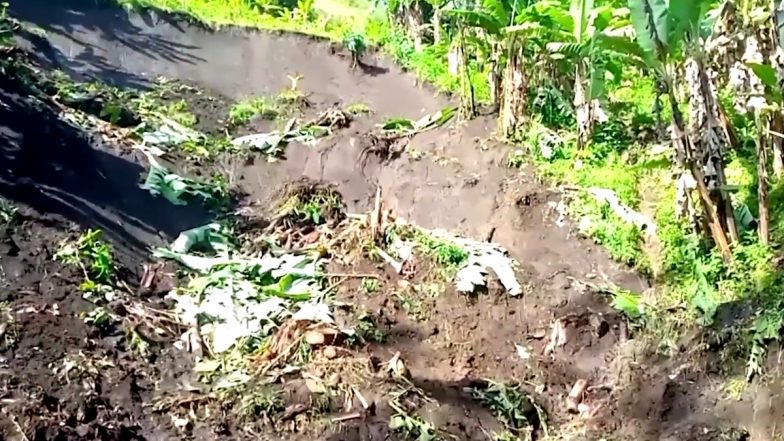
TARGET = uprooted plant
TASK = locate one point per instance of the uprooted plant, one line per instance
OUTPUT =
(510, 405)
(94, 257)
(272, 144)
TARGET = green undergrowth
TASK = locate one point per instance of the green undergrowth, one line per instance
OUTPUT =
(694, 285)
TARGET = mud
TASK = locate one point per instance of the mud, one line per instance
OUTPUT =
(456, 181)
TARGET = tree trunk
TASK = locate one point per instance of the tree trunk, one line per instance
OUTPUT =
(436, 25)
(583, 106)
(777, 143)
(494, 75)
(467, 99)
(708, 142)
(684, 159)
(514, 91)
(453, 59)
(415, 24)
(762, 178)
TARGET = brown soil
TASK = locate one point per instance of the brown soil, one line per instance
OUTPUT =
(448, 341)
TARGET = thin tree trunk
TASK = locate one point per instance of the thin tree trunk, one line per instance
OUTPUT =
(762, 178)
(514, 92)
(494, 75)
(437, 25)
(468, 101)
(415, 22)
(777, 143)
(583, 106)
(453, 59)
(684, 159)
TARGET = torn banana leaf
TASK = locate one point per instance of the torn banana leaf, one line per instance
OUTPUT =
(207, 237)
(177, 189)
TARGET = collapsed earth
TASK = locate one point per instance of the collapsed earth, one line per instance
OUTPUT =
(259, 220)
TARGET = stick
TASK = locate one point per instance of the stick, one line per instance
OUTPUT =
(19, 428)
(360, 398)
(280, 356)
(352, 276)
(347, 417)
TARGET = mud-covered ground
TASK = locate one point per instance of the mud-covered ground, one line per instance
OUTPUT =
(61, 378)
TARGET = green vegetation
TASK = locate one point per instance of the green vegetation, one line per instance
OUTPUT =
(93, 256)
(310, 203)
(7, 26)
(246, 110)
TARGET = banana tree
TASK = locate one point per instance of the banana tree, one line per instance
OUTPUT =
(592, 37)
(413, 16)
(662, 28)
(508, 25)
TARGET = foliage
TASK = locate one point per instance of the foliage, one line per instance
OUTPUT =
(8, 212)
(508, 402)
(356, 45)
(91, 254)
(246, 110)
(7, 26)
(180, 190)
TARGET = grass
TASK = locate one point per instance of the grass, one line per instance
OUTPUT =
(687, 270)
(91, 254)
(369, 285)
(246, 110)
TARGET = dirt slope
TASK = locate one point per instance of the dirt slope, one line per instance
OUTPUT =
(458, 183)
(86, 38)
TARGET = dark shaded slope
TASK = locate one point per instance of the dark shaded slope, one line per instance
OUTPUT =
(85, 38)
(55, 168)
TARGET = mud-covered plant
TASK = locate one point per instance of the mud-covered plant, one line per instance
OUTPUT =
(91, 254)
(291, 94)
(410, 427)
(509, 403)
(99, 317)
(369, 285)
(365, 331)
(8, 212)
(7, 26)
(310, 204)
(260, 400)
(180, 190)
(356, 45)
(9, 329)
(358, 109)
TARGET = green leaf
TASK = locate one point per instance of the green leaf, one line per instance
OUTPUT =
(628, 303)
(685, 17)
(596, 85)
(651, 23)
(767, 74)
(398, 124)
(479, 19)
(580, 11)
(498, 9)
(209, 237)
(569, 50)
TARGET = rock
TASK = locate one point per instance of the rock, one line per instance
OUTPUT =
(314, 338)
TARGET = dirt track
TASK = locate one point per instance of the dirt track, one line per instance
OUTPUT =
(459, 184)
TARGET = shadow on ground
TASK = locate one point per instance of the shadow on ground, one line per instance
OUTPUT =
(56, 168)
(73, 22)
